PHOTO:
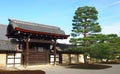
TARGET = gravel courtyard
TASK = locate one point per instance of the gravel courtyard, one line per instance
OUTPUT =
(49, 69)
(61, 70)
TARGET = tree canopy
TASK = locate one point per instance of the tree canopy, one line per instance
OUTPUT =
(106, 47)
(85, 21)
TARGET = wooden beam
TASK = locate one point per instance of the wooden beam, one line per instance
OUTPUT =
(42, 41)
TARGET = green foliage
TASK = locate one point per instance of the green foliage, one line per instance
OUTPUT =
(99, 46)
(100, 51)
(85, 21)
(106, 47)
(73, 41)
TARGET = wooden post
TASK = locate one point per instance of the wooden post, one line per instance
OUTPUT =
(77, 58)
(69, 55)
(55, 52)
(26, 53)
(14, 60)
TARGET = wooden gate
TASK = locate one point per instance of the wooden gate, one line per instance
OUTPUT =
(38, 55)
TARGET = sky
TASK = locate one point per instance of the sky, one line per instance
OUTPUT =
(60, 13)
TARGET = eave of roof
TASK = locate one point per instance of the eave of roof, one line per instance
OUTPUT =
(41, 33)
(70, 52)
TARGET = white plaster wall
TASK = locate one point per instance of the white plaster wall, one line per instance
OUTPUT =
(2, 59)
(65, 58)
(81, 58)
(73, 58)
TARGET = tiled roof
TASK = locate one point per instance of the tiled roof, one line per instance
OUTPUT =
(64, 46)
(3, 29)
(35, 27)
(6, 45)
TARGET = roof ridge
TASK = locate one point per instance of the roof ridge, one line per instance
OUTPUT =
(31, 23)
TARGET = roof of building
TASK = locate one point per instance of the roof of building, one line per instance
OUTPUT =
(64, 46)
(3, 29)
(6, 45)
(36, 28)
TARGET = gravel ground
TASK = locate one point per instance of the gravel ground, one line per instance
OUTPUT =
(49, 69)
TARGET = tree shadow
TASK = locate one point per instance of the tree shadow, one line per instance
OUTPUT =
(87, 66)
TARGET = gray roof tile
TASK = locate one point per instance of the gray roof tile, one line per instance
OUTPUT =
(6, 45)
(36, 27)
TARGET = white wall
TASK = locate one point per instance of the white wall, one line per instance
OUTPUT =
(72, 58)
(2, 59)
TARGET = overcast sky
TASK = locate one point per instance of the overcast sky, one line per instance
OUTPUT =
(60, 12)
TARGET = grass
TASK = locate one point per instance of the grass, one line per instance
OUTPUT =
(87, 66)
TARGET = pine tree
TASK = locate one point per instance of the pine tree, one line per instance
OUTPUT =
(85, 23)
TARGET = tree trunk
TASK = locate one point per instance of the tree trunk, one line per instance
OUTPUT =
(101, 60)
(85, 35)
(85, 58)
(107, 60)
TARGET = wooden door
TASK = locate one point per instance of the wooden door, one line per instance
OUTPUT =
(38, 55)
